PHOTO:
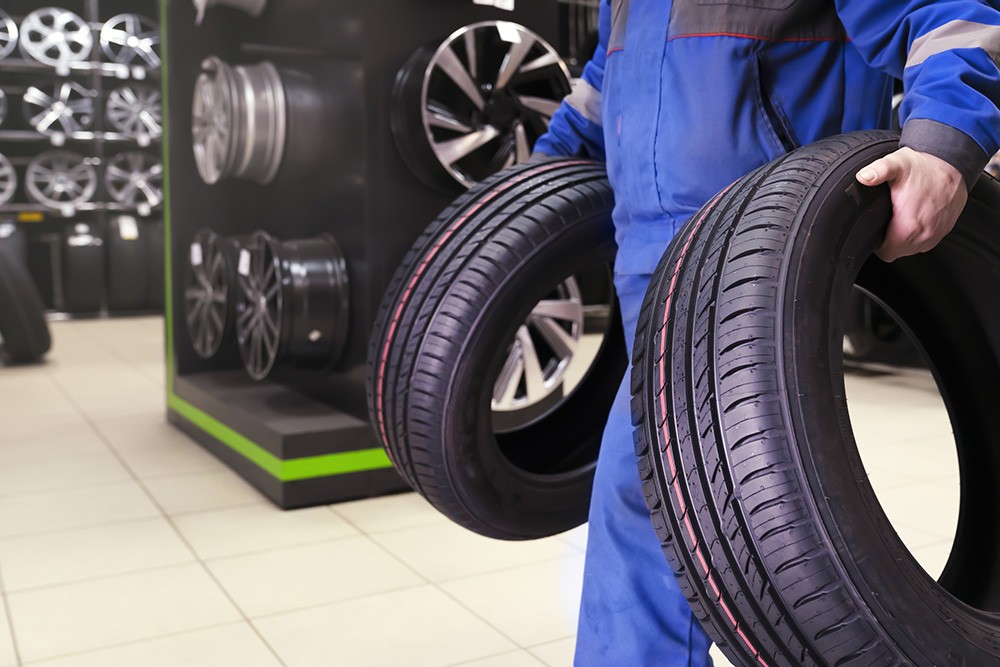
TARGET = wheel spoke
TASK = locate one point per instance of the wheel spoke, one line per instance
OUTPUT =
(513, 60)
(450, 152)
(522, 147)
(440, 116)
(540, 105)
(559, 309)
(507, 384)
(534, 377)
(547, 60)
(561, 342)
(449, 63)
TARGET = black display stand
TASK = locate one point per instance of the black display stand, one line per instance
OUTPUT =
(303, 437)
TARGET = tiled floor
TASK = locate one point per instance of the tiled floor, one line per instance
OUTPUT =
(124, 543)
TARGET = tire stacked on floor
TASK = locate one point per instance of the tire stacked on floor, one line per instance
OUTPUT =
(23, 328)
(749, 464)
(442, 338)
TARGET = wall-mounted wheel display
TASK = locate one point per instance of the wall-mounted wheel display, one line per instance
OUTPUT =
(67, 109)
(461, 331)
(136, 112)
(13, 239)
(131, 39)
(61, 180)
(82, 269)
(747, 450)
(293, 303)
(23, 328)
(210, 285)
(135, 179)
(239, 121)
(8, 35)
(8, 180)
(56, 37)
(252, 7)
(474, 104)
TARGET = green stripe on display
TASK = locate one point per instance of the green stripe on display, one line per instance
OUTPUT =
(285, 471)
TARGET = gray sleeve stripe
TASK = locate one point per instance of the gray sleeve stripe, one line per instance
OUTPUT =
(956, 35)
(586, 99)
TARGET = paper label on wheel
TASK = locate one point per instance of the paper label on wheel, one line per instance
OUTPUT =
(508, 32)
(127, 228)
(196, 257)
(244, 264)
(506, 5)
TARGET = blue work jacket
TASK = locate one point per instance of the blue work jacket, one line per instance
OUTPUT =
(683, 97)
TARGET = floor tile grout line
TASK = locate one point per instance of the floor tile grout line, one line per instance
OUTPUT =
(99, 578)
(10, 618)
(180, 535)
(427, 580)
(125, 360)
(132, 642)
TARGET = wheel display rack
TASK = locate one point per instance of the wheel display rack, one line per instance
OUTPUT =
(80, 133)
(334, 184)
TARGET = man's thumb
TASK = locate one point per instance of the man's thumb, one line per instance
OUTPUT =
(878, 172)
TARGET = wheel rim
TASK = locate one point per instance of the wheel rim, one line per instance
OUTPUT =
(129, 39)
(260, 308)
(56, 37)
(8, 180)
(60, 178)
(542, 350)
(8, 34)
(206, 294)
(239, 121)
(134, 178)
(485, 98)
(135, 111)
(69, 109)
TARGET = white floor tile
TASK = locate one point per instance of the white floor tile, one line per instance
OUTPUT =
(72, 555)
(8, 656)
(577, 537)
(379, 515)
(60, 510)
(68, 619)
(443, 551)
(315, 574)
(556, 654)
(224, 646)
(933, 557)
(61, 472)
(201, 492)
(259, 528)
(930, 508)
(553, 587)
(718, 657)
(181, 456)
(416, 627)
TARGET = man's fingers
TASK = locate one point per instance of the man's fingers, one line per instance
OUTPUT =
(883, 170)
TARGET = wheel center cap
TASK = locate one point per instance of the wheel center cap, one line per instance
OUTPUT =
(500, 111)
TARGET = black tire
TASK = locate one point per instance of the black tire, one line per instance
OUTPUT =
(13, 238)
(129, 267)
(155, 285)
(444, 330)
(749, 464)
(23, 327)
(82, 269)
(873, 336)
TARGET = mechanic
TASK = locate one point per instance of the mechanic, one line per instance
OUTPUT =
(681, 98)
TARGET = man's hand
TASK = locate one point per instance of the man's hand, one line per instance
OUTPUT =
(928, 195)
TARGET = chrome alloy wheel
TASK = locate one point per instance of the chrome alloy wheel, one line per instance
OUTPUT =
(478, 101)
(239, 121)
(131, 39)
(208, 292)
(542, 350)
(135, 111)
(55, 37)
(8, 180)
(8, 35)
(252, 7)
(61, 179)
(68, 109)
(135, 179)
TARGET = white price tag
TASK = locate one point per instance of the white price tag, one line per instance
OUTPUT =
(128, 229)
(244, 265)
(506, 5)
(508, 32)
(196, 258)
